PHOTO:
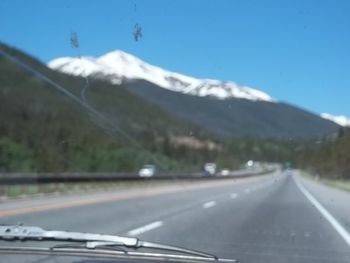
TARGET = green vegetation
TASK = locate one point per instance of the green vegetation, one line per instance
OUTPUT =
(340, 184)
(43, 130)
(328, 157)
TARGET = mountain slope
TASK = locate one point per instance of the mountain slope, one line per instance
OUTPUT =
(42, 129)
(117, 66)
(222, 107)
(237, 117)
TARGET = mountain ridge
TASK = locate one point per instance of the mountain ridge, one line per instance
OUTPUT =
(116, 66)
(236, 117)
(341, 120)
(220, 107)
(43, 129)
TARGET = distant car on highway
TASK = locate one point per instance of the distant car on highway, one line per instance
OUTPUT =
(249, 164)
(224, 172)
(148, 170)
(210, 169)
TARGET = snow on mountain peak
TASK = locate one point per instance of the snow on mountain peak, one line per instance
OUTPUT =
(341, 120)
(117, 66)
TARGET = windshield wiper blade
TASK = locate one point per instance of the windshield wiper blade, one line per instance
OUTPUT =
(19, 232)
(90, 240)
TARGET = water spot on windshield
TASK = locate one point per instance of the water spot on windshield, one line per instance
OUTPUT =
(74, 41)
(137, 32)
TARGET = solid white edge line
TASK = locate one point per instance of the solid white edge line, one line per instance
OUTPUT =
(209, 204)
(336, 225)
(145, 228)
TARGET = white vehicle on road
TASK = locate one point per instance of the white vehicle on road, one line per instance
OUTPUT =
(225, 172)
(148, 170)
(210, 168)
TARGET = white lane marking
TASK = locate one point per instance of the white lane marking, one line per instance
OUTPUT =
(145, 228)
(209, 204)
(336, 225)
(233, 195)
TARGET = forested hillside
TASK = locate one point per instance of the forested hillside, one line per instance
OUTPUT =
(44, 130)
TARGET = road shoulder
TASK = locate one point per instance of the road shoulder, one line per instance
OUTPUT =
(336, 201)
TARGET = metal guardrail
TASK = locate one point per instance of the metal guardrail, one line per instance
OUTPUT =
(44, 178)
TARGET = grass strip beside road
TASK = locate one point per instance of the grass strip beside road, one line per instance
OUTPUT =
(340, 184)
(336, 183)
(31, 189)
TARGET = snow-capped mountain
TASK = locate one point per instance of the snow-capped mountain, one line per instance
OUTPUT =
(118, 66)
(341, 120)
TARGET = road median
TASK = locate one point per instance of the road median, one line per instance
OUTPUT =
(15, 207)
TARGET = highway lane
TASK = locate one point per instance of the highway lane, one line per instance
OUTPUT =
(120, 215)
(334, 200)
(274, 223)
(263, 220)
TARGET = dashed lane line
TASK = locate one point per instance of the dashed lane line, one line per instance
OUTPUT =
(145, 228)
(233, 195)
(209, 204)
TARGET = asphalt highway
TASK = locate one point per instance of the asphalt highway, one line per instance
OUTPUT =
(274, 218)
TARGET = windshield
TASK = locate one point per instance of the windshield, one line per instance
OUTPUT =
(216, 126)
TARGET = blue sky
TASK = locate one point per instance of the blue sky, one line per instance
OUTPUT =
(297, 51)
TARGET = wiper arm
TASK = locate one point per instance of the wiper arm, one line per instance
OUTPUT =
(151, 245)
(18, 232)
(91, 241)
